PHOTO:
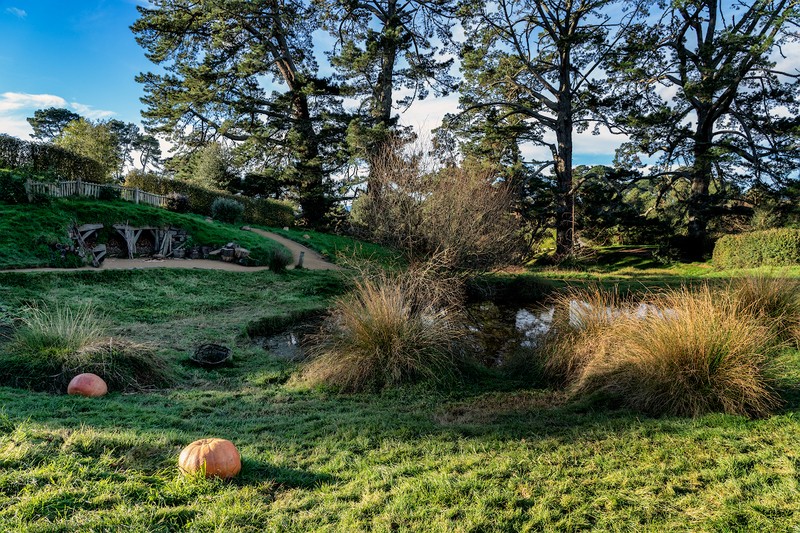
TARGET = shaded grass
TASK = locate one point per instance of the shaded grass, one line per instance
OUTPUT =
(341, 248)
(27, 230)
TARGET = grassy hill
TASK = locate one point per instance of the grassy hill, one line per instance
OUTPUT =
(28, 230)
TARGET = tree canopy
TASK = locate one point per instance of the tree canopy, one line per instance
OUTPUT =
(702, 95)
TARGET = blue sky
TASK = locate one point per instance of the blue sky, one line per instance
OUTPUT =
(77, 54)
(81, 54)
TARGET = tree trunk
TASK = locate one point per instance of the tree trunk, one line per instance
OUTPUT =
(697, 245)
(563, 160)
(308, 167)
(310, 175)
(381, 108)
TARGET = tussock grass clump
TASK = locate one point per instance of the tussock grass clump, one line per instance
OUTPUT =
(771, 298)
(580, 320)
(54, 343)
(700, 355)
(58, 329)
(391, 329)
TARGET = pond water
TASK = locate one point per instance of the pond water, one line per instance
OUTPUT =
(496, 329)
(500, 329)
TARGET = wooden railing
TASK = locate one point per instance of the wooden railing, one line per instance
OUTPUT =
(61, 189)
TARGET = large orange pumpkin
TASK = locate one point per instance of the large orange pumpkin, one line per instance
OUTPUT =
(87, 384)
(220, 457)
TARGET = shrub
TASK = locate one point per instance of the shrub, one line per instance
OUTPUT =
(699, 354)
(226, 210)
(386, 332)
(256, 210)
(461, 215)
(177, 202)
(109, 192)
(53, 344)
(12, 187)
(279, 259)
(774, 247)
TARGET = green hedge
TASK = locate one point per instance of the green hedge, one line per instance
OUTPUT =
(774, 247)
(256, 210)
(12, 187)
(40, 157)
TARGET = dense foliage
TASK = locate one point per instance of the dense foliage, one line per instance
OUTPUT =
(256, 210)
(43, 158)
(774, 247)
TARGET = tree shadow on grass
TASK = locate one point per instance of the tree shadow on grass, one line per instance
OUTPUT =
(256, 472)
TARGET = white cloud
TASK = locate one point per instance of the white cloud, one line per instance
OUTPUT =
(16, 127)
(89, 112)
(13, 101)
(15, 107)
(17, 12)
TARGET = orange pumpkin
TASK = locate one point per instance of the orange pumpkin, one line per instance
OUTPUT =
(220, 457)
(87, 384)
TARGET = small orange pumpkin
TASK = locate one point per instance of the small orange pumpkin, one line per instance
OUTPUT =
(220, 457)
(87, 384)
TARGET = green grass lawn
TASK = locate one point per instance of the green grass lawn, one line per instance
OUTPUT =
(27, 230)
(488, 455)
(340, 248)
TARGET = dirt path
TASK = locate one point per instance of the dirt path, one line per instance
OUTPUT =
(113, 263)
(311, 260)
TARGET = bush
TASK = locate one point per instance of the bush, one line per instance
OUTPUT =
(775, 247)
(12, 187)
(279, 259)
(109, 192)
(226, 210)
(388, 331)
(689, 354)
(177, 202)
(462, 216)
(53, 344)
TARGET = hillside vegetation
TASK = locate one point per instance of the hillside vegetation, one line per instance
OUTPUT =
(28, 230)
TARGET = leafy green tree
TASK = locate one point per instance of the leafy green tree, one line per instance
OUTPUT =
(149, 151)
(128, 136)
(533, 67)
(212, 167)
(245, 71)
(93, 140)
(383, 46)
(48, 123)
(700, 92)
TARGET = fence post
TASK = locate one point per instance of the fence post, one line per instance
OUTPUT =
(29, 189)
(136, 195)
(78, 187)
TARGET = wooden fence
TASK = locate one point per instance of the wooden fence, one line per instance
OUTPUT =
(81, 188)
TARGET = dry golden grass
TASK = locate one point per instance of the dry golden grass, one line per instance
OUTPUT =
(580, 320)
(701, 354)
(692, 352)
(392, 328)
(773, 298)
